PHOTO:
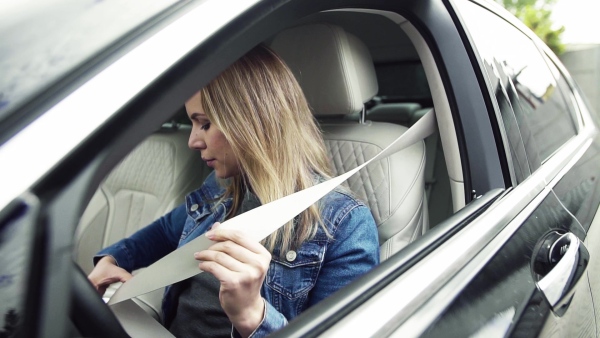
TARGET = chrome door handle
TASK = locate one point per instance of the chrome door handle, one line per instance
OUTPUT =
(565, 258)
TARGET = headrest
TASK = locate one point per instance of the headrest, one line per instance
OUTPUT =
(334, 68)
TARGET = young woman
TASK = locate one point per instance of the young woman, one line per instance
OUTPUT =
(252, 125)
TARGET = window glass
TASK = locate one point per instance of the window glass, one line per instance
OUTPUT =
(42, 40)
(538, 106)
(501, 87)
(16, 233)
(565, 90)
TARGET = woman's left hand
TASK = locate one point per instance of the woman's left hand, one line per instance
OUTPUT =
(240, 264)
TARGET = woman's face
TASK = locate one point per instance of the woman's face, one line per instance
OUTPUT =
(210, 141)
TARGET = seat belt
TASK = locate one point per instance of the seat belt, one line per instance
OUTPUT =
(180, 264)
(137, 322)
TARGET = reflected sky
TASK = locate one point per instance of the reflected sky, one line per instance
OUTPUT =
(43, 39)
(531, 83)
(580, 18)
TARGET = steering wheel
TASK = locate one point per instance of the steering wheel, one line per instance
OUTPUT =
(90, 315)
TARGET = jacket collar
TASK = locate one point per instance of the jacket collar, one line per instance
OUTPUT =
(204, 200)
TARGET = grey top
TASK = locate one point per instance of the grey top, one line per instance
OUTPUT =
(199, 312)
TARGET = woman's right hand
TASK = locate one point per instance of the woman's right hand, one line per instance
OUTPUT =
(107, 272)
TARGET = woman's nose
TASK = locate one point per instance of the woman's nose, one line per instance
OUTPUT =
(196, 142)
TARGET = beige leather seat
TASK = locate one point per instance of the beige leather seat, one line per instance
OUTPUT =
(337, 75)
(437, 184)
(149, 182)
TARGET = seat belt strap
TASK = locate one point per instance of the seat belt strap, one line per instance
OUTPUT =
(137, 322)
(180, 264)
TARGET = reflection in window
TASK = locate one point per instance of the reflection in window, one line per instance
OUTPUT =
(565, 90)
(43, 40)
(539, 108)
(16, 233)
(513, 135)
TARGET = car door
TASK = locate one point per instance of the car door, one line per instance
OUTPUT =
(535, 101)
(513, 287)
(492, 277)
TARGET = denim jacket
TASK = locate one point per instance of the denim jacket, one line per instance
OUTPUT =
(295, 280)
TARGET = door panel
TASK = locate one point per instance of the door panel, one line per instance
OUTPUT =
(502, 298)
(579, 192)
(579, 189)
(592, 241)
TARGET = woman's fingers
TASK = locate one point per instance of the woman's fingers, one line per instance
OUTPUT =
(235, 245)
(221, 235)
(223, 274)
(107, 272)
(240, 264)
(223, 258)
(234, 259)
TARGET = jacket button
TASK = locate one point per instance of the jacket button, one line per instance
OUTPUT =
(194, 207)
(290, 256)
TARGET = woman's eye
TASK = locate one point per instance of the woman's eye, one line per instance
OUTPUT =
(205, 126)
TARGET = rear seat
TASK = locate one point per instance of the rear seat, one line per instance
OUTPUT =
(398, 113)
(149, 182)
(407, 114)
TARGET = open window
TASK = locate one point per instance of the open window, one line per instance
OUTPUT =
(157, 174)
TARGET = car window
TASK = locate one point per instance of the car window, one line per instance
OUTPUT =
(517, 140)
(41, 41)
(540, 110)
(566, 92)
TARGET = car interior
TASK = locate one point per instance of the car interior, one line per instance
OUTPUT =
(375, 77)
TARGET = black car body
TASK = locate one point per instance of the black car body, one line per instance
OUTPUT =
(513, 198)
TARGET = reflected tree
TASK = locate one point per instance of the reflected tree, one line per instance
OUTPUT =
(536, 14)
(11, 324)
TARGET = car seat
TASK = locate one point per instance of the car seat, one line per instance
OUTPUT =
(336, 73)
(152, 180)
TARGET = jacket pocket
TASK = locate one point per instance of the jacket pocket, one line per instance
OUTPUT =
(294, 278)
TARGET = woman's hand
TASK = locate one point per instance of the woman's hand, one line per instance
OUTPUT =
(240, 264)
(107, 272)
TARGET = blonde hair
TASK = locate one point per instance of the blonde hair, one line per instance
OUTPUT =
(261, 110)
